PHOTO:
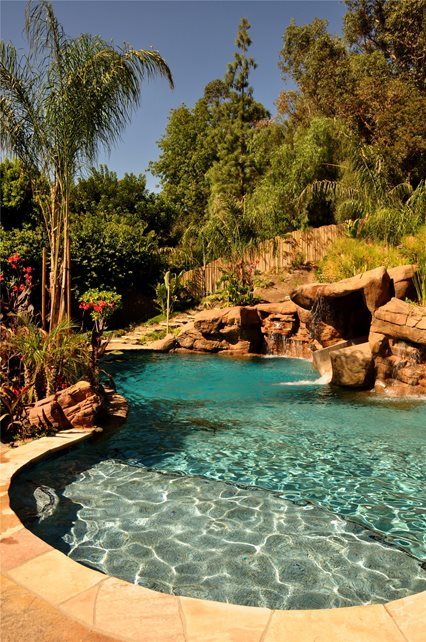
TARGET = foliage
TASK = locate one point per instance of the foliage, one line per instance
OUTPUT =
(414, 249)
(102, 194)
(35, 364)
(362, 87)
(51, 360)
(364, 192)
(207, 154)
(154, 335)
(348, 256)
(310, 154)
(16, 202)
(57, 107)
(15, 287)
(237, 283)
(100, 305)
(179, 297)
(396, 28)
(113, 251)
(234, 172)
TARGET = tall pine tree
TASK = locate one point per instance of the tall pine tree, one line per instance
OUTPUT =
(233, 173)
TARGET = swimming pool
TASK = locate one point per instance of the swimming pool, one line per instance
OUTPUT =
(244, 481)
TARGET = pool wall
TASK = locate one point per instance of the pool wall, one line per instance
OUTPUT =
(124, 611)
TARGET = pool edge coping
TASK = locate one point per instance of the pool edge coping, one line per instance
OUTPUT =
(124, 611)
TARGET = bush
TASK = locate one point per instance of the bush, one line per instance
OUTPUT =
(237, 282)
(414, 249)
(112, 251)
(347, 257)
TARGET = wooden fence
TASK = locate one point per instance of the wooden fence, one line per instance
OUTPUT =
(308, 246)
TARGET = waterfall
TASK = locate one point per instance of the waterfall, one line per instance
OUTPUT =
(276, 343)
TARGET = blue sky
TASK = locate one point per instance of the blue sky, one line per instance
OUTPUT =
(197, 40)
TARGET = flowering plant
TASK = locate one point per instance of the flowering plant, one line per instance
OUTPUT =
(16, 284)
(101, 304)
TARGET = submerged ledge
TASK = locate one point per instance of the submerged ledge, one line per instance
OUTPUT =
(116, 608)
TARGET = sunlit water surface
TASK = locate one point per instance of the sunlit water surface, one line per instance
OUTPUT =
(192, 495)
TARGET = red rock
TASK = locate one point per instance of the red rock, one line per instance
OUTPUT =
(76, 407)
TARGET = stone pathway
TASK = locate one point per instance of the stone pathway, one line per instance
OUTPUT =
(132, 339)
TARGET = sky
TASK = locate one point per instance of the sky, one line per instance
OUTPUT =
(197, 40)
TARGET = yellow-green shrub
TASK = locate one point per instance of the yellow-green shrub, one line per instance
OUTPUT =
(347, 257)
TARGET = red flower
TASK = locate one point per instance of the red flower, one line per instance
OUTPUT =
(97, 307)
(15, 288)
(28, 270)
(21, 287)
(14, 259)
(84, 306)
(1, 277)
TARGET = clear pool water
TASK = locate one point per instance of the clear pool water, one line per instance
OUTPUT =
(243, 481)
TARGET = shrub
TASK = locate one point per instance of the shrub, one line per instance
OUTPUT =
(238, 283)
(180, 296)
(414, 249)
(112, 251)
(347, 257)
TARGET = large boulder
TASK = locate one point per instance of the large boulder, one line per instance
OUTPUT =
(236, 329)
(165, 344)
(353, 367)
(375, 286)
(401, 320)
(75, 406)
(402, 278)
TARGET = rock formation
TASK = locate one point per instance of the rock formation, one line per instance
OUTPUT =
(352, 367)
(73, 407)
(358, 329)
(398, 345)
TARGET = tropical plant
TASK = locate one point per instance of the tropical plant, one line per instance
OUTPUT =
(414, 249)
(101, 305)
(171, 293)
(363, 193)
(237, 283)
(50, 360)
(58, 105)
(15, 290)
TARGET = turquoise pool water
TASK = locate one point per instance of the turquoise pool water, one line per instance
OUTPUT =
(243, 481)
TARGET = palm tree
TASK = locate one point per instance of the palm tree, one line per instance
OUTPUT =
(58, 105)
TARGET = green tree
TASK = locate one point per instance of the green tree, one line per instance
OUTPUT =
(16, 200)
(57, 107)
(362, 88)
(187, 151)
(102, 192)
(396, 28)
(113, 251)
(234, 171)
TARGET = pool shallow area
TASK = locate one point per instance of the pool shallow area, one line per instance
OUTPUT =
(226, 484)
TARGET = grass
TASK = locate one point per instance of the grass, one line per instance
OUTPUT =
(348, 257)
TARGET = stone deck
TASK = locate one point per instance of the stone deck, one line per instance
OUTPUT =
(48, 597)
